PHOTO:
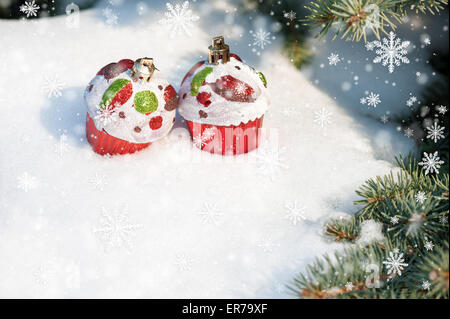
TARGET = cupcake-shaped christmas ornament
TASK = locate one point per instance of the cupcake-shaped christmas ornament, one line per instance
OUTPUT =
(223, 101)
(130, 104)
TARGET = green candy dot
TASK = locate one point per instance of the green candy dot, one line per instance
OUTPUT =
(111, 92)
(263, 78)
(145, 102)
(198, 80)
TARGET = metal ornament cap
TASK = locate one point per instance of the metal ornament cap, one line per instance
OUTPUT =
(218, 51)
(143, 69)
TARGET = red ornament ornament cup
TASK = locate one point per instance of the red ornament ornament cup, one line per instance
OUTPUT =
(223, 101)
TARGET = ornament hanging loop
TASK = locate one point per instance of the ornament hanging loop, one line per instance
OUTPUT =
(143, 69)
(219, 51)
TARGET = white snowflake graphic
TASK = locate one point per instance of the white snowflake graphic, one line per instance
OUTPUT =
(179, 19)
(62, 146)
(384, 119)
(395, 263)
(210, 214)
(322, 118)
(394, 220)
(427, 41)
(30, 8)
(115, 229)
(295, 212)
(391, 51)
(411, 101)
(261, 38)
(349, 286)
(98, 181)
(291, 15)
(442, 109)
(106, 115)
(267, 244)
(27, 182)
(183, 262)
(420, 197)
(333, 59)
(426, 285)
(431, 162)
(371, 99)
(443, 219)
(435, 132)
(52, 86)
(408, 132)
(270, 159)
(429, 245)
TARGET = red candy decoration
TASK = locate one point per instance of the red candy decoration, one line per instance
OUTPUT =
(155, 122)
(122, 96)
(204, 98)
(232, 55)
(169, 92)
(126, 64)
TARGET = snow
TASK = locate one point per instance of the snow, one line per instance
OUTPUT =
(371, 231)
(170, 221)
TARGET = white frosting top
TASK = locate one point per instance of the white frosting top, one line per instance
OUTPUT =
(124, 121)
(221, 111)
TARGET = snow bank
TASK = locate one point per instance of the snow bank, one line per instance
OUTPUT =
(169, 221)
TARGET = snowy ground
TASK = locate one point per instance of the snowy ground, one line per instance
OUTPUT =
(169, 221)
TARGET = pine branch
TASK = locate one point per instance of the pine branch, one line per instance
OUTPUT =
(353, 18)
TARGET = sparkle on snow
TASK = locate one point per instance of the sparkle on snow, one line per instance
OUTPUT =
(179, 19)
(395, 263)
(435, 132)
(391, 51)
(431, 162)
(29, 8)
